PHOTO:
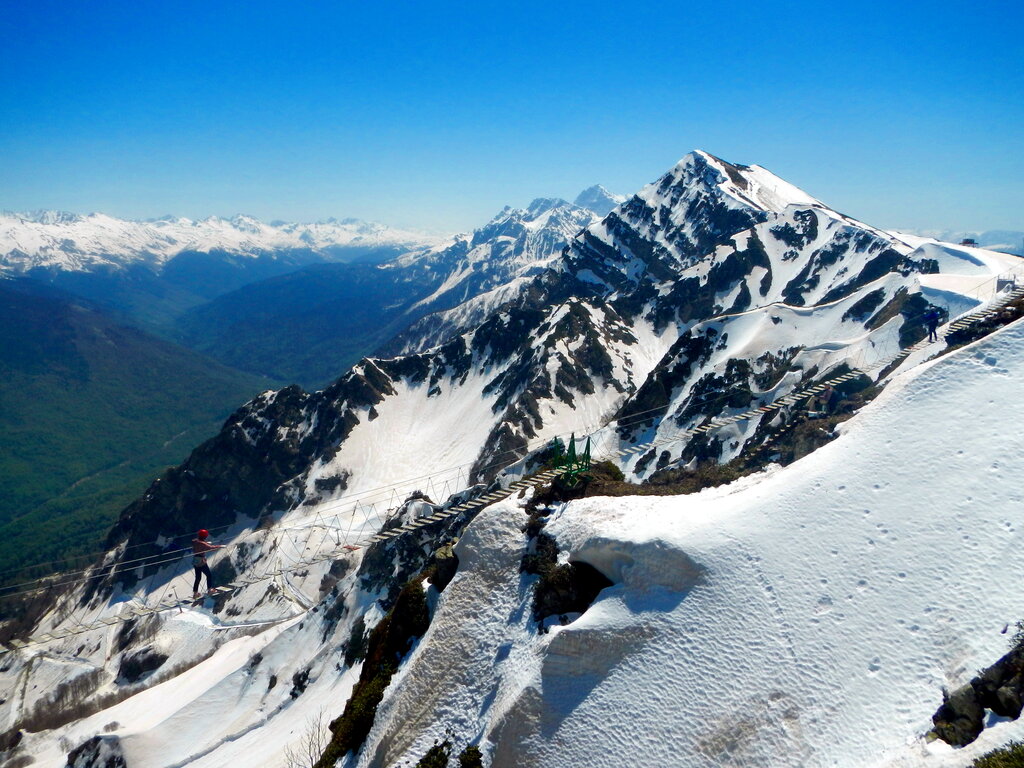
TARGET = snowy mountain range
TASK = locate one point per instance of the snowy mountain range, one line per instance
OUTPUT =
(491, 266)
(807, 615)
(64, 241)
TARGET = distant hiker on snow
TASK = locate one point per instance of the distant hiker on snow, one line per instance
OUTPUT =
(931, 317)
(199, 549)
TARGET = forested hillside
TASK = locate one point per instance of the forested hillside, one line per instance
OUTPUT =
(90, 411)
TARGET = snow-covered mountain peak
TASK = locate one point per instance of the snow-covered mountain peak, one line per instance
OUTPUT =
(43, 216)
(751, 186)
(246, 223)
(599, 200)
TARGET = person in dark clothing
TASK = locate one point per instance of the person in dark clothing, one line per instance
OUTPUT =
(931, 318)
(200, 546)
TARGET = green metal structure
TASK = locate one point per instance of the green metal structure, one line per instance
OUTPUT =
(572, 465)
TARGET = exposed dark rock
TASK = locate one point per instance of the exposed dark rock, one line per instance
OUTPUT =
(541, 553)
(999, 688)
(437, 756)
(332, 483)
(865, 305)
(742, 301)
(568, 588)
(960, 718)
(389, 642)
(471, 757)
(9, 740)
(651, 401)
(98, 752)
(561, 589)
(355, 650)
(800, 235)
(886, 261)
(334, 574)
(299, 682)
(136, 631)
(137, 665)
(446, 564)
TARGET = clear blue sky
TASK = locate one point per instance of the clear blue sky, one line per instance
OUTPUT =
(436, 114)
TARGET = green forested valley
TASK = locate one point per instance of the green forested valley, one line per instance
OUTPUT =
(91, 410)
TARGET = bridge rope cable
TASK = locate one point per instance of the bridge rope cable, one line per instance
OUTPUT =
(102, 573)
(97, 553)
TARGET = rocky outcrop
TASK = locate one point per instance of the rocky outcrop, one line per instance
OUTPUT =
(98, 752)
(561, 589)
(135, 666)
(1000, 688)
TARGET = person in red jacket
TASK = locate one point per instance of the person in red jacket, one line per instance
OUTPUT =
(199, 549)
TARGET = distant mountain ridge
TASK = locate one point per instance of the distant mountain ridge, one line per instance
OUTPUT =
(599, 200)
(488, 268)
(67, 241)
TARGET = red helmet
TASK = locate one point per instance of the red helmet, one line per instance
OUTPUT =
(203, 533)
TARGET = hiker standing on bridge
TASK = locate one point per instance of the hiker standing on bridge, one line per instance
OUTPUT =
(200, 546)
(931, 317)
(826, 400)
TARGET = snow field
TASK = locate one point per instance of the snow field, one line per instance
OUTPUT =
(152, 708)
(819, 609)
(415, 435)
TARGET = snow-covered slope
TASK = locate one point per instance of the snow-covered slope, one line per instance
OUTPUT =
(64, 241)
(808, 616)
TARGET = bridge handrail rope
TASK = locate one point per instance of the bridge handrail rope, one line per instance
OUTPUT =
(984, 311)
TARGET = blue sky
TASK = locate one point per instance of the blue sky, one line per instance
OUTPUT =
(437, 114)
